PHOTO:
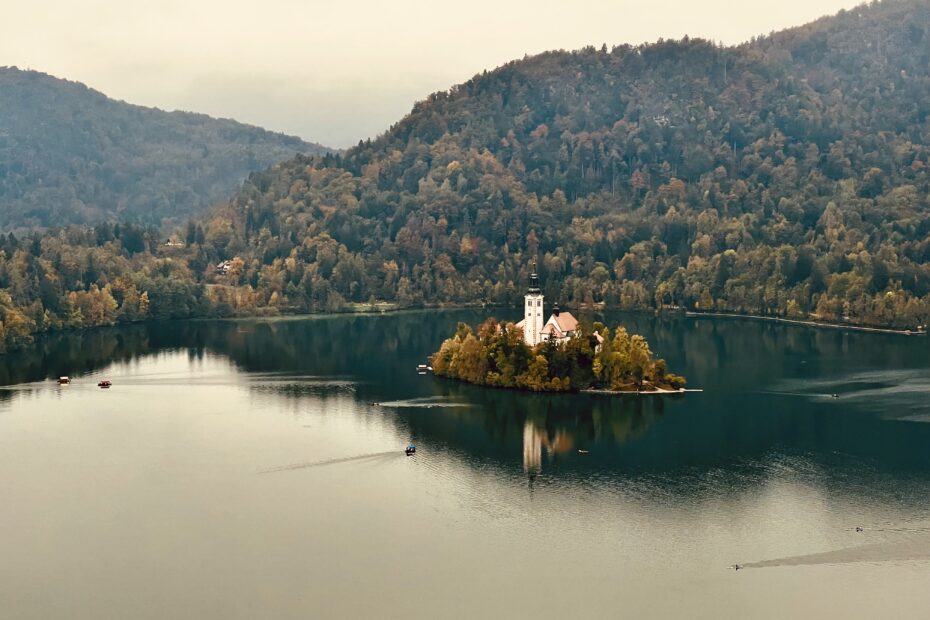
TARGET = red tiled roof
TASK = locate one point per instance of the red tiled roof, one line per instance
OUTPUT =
(566, 322)
(549, 328)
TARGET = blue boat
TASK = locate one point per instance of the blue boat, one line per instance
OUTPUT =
(410, 450)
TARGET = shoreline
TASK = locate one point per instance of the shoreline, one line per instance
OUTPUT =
(806, 323)
(654, 392)
(588, 391)
(381, 308)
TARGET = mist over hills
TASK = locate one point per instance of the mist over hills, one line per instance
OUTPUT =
(788, 176)
(71, 155)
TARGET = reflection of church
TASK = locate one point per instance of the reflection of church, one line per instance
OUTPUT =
(532, 448)
(535, 439)
(559, 327)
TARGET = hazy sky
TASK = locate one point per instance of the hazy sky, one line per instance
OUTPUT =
(337, 72)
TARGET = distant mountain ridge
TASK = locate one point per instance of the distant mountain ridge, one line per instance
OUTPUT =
(787, 176)
(71, 155)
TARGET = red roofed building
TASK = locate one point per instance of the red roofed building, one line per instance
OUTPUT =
(560, 327)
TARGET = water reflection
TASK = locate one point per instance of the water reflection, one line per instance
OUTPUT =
(767, 389)
(533, 440)
(267, 456)
(536, 439)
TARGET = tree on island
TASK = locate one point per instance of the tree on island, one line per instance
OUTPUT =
(595, 358)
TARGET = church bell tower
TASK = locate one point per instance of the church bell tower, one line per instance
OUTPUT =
(533, 311)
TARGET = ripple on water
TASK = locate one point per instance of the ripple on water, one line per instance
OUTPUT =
(896, 394)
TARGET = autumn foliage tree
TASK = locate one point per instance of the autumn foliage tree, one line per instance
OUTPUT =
(498, 356)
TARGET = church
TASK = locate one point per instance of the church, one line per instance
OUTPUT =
(560, 327)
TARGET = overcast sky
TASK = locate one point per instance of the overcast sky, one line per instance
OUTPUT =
(339, 71)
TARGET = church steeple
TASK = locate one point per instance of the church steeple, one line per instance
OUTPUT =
(534, 281)
(532, 311)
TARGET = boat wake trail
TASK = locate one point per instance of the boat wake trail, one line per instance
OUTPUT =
(347, 459)
(903, 393)
(784, 393)
(424, 403)
(914, 549)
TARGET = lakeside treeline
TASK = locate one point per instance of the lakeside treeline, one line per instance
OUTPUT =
(90, 277)
(595, 358)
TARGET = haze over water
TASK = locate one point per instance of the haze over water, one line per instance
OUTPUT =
(242, 469)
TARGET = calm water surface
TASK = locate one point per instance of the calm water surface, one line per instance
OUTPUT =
(243, 469)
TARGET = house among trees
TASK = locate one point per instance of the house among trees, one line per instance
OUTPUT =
(560, 326)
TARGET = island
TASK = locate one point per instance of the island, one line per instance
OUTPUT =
(560, 355)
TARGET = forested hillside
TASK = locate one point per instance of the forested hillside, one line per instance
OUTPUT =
(786, 176)
(70, 155)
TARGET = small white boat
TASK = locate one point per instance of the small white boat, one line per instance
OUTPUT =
(64, 380)
(423, 369)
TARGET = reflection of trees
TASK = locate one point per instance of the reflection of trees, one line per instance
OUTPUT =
(734, 419)
(74, 353)
(328, 345)
(370, 345)
(544, 426)
(315, 355)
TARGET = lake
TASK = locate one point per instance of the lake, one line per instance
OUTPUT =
(255, 469)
